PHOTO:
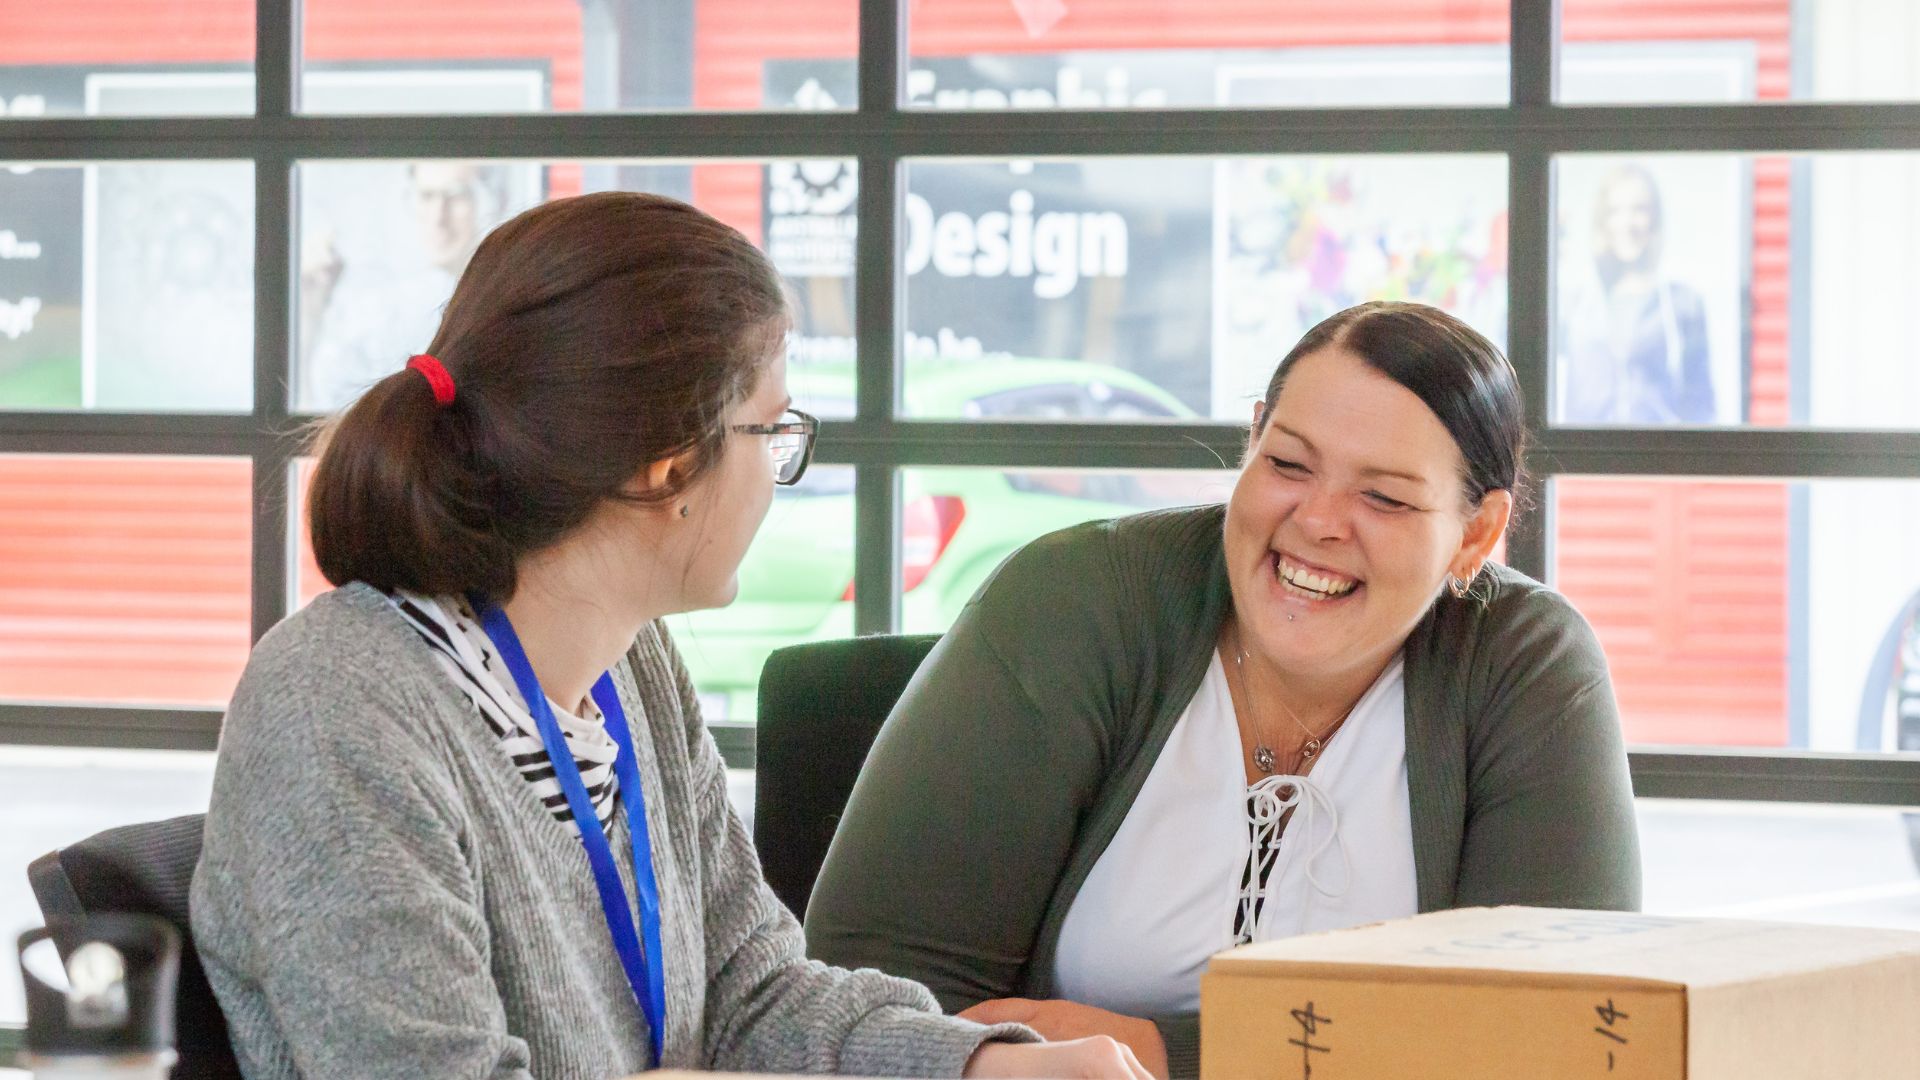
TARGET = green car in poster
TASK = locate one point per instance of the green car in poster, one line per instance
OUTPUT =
(957, 524)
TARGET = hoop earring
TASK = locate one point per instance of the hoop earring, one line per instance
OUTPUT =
(1458, 586)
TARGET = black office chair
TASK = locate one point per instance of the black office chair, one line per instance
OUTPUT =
(821, 705)
(147, 869)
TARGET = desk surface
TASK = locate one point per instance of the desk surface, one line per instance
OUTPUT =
(682, 1074)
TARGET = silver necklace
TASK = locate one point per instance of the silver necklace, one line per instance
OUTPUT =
(1263, 756)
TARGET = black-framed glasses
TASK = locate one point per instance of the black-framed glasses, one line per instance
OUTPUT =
(792, 443)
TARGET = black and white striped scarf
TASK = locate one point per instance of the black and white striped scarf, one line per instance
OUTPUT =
(454, 633)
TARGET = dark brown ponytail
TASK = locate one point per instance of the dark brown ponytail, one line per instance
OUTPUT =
(588, 338)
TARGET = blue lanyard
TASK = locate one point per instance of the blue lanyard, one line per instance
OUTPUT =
(643, 965)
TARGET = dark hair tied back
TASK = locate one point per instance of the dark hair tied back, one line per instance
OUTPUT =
(589, 337)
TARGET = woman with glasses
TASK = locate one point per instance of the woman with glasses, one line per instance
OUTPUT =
(466, 821)
(1322, 704)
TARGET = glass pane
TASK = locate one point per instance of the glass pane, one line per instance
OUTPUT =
(127, 287)
(1168, 288)
(958, 525)
(381, 244)
(1785, 862)
(1027, 54)
(1627, 51)
(796, 585)
(1724, 289)
(56, 796)
(126, 58)
(1750, 614)
(124, 579)
(363, 56)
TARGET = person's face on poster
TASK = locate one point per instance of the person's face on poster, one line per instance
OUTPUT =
(1629, 220)
(446, 212)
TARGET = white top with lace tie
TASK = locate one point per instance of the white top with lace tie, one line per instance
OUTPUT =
(1167, 892)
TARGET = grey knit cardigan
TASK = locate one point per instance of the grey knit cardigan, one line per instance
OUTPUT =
(381, 894)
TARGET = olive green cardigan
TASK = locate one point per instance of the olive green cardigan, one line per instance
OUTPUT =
(1016, 751)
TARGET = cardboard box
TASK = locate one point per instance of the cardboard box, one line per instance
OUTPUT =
(1537, 994)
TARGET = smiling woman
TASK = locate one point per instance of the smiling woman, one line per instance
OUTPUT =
(1384, 460)
(1313, 707)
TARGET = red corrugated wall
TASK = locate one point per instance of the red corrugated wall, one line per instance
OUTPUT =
(124, 578)
(222, 31)
(1686, 583)
(125, 31)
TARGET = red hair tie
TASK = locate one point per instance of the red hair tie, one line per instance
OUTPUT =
(437, 377)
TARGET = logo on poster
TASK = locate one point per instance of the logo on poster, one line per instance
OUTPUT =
(810, 232)
(811, 187)
(1056, 248)
(811, 226)
(12, 247)
(16, 316)
(1070, 90)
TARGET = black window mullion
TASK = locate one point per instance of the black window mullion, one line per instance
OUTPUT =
(876, 546)
(883, 56)
(1530, 333)
(877, 316)
(276, 59)
(117, 726)
(1744, 452)
(272, 584)
(1758, 128)
(877, 319)
(1533, 51)
(1533, 57)
(273, 299)
(1753, 775)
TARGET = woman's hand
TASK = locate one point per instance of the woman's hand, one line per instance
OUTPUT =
(1097, 1058)
(1060, 1021)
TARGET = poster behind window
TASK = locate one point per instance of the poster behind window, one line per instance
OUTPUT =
(381, 246)
(40, 287)
(1192, 273)
(382, 243)
(1652, 270)
(1652, 253)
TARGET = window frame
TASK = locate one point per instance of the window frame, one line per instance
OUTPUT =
(881, 135)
